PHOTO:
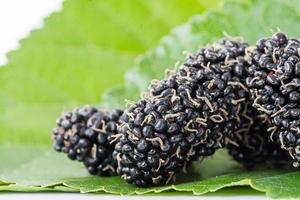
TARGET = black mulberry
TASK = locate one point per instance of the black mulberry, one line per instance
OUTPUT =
(255, 149)
(274, 81)
(185, 117)
(88, 135)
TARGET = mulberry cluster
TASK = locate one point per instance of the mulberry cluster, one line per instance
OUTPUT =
(185, 117)
(274, 82)
(87, 135)
(227, 94)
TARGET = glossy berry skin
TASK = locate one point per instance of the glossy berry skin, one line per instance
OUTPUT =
(274, 82)
(87, 135)
(185, 117)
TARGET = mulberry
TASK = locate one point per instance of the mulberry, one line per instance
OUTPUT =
(274, 82)
(87, 135)
(255, 148)
(186, 116)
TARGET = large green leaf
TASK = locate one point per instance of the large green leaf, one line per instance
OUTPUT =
(80, 51)
(42, 170)
(36, 166)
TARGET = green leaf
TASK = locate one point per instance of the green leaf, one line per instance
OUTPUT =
(22, 188)
(42, 170)
(3, 183)
(36, 166)
(81, 51)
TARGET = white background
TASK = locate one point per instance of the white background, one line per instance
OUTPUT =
(17, 18)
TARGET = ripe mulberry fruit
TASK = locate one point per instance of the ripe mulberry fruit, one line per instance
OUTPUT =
(274, 82)
(255, 148)
(186, 116)
(87, 135)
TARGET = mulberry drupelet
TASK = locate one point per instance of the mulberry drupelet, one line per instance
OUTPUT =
(187, 116)
(274, 82)
(87, 135)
